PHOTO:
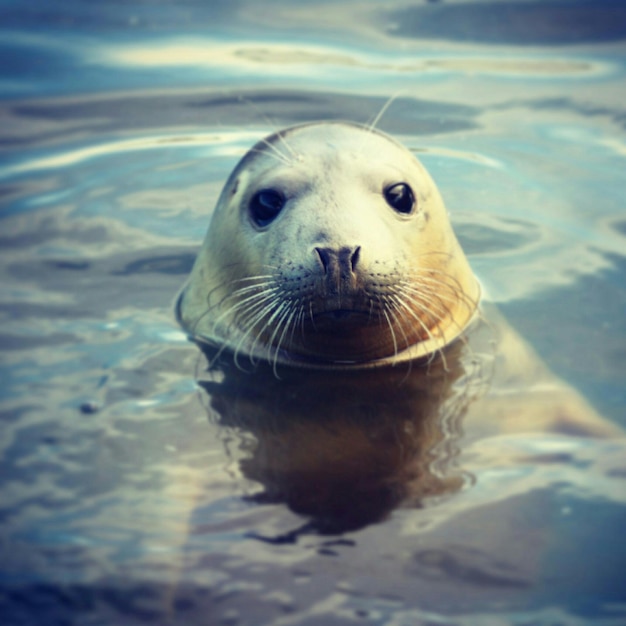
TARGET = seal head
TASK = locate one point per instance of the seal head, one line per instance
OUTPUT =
(330, 246)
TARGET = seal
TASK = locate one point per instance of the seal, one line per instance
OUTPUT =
(330, 247)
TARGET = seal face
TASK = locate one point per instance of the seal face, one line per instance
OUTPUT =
(329, 246)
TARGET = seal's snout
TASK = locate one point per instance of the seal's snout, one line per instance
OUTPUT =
(339, 267)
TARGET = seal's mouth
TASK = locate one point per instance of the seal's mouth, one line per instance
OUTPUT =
(339, 314)
(340, 319)
(352, 308)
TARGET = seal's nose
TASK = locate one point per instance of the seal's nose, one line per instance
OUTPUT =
(339, 266)
(344, 260)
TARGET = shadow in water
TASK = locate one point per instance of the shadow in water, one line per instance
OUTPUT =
(344, 448)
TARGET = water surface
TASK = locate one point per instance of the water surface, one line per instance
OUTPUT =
(124, 497)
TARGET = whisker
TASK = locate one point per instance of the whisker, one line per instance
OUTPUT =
(294, 155)
(392, 332)
(274, 153)
(297, 322)
(396, 312)
(429, 302)
(379, 115)
(239, 310)
(448, 289)
(403, 305)
(427, 331)
(256, 277)
(281, 155)
(275, 312)
(247, 328)
(285, 320)
(275, 130)
(217, 305)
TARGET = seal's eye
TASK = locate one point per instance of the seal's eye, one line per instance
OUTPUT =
(265, 205)
(400, 197)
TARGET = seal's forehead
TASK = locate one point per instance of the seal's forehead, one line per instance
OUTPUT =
(327, 146)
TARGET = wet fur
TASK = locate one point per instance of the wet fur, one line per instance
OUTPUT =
(272, 311)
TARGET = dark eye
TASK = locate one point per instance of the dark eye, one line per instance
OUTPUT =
(265, 205)
(400, 197)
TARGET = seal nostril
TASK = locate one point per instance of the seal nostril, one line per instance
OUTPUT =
(324, 258)
(354, 259)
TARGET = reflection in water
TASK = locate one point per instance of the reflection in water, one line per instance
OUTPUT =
(109, 513)
(344, 448)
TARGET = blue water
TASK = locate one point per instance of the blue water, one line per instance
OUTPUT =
(123, 498)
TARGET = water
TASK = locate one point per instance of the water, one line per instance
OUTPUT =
(126, 497)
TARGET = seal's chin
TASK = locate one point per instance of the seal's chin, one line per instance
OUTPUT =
(342, 336)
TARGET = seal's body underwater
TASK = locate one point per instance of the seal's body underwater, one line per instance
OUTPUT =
(330, 246)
